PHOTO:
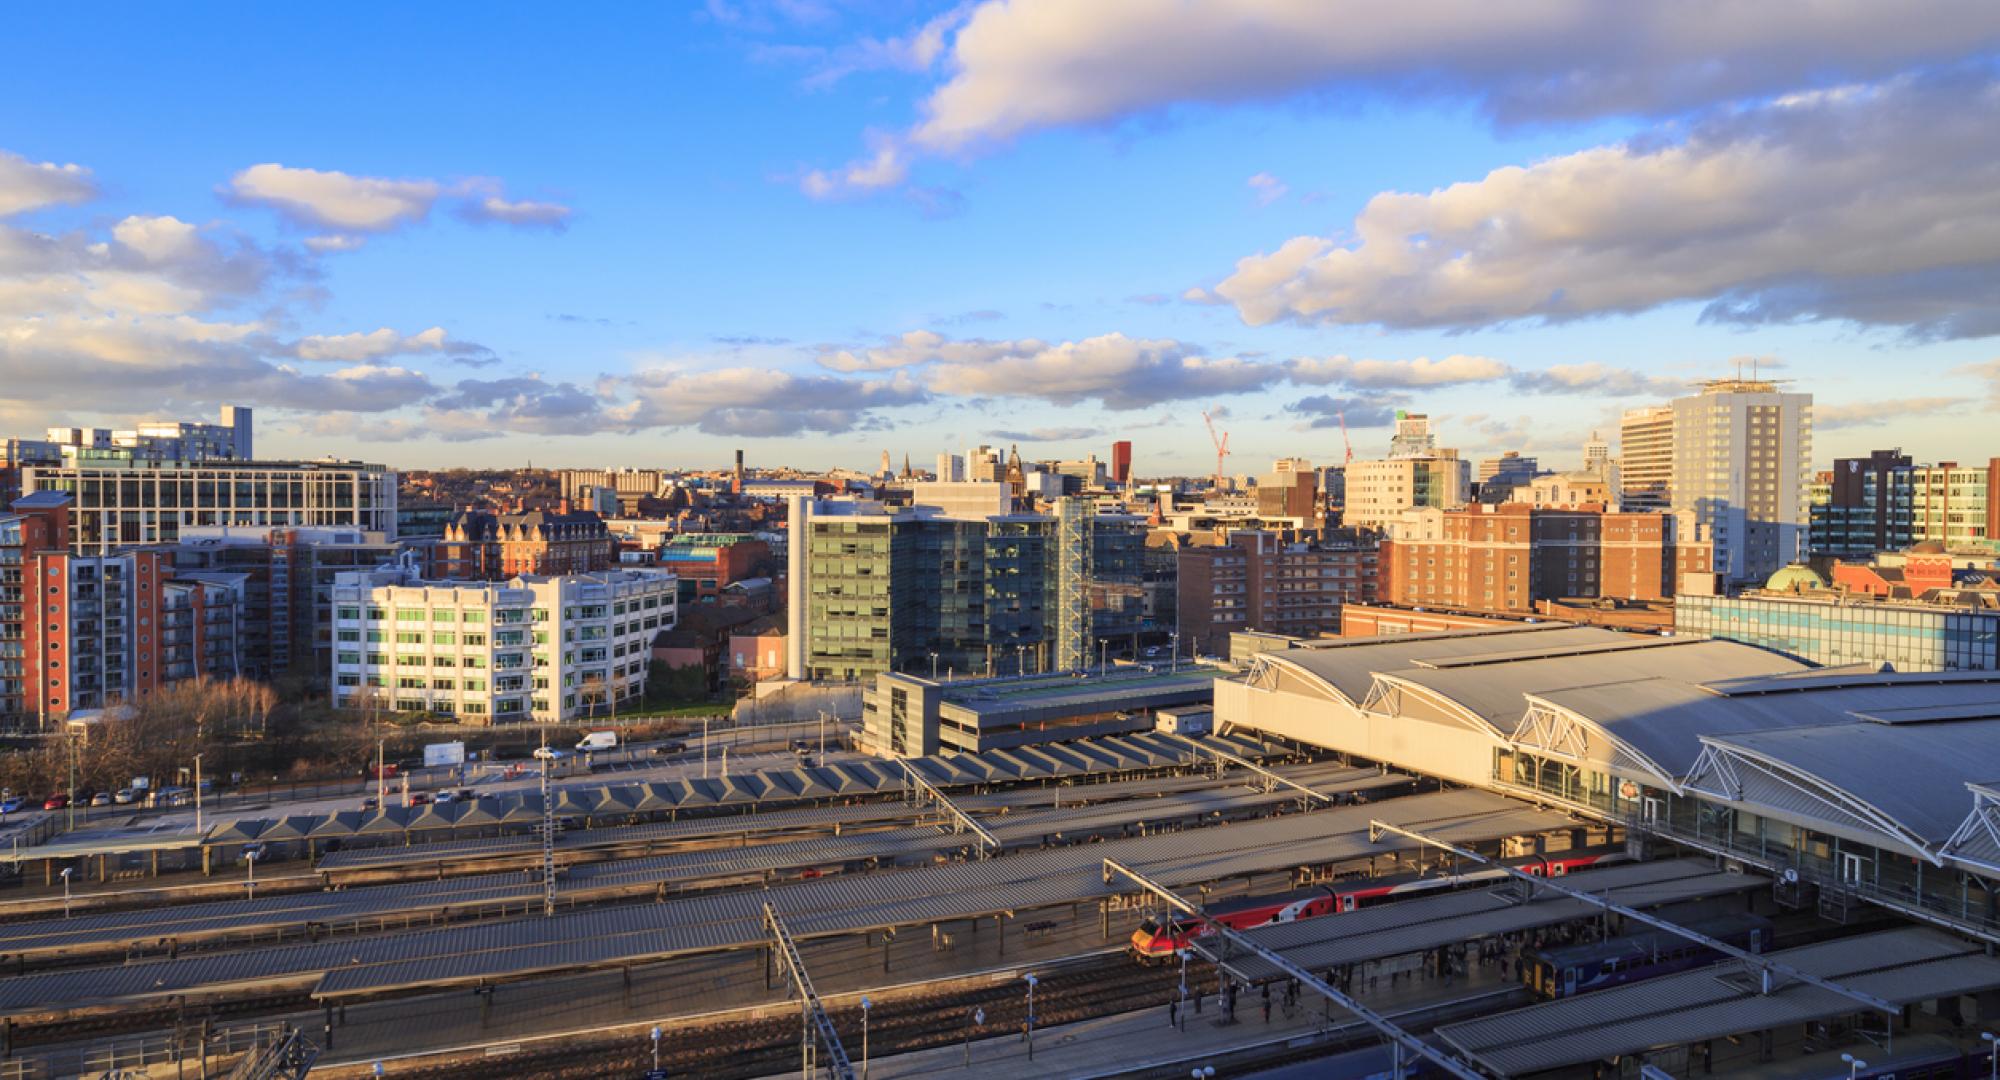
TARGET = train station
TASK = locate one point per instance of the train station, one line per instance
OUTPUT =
(1519, 852)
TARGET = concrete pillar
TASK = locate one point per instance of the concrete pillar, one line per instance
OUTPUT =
(798, 526)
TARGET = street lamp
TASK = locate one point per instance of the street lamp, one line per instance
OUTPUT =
(1103, 663)
(978, 1020)
(1031, 1015)
(865, 1003)
(1174, 664)
(250, 865)
(67, 871)
(704, 748)
(656, 1048)
(1854, 1065)
(933, 667)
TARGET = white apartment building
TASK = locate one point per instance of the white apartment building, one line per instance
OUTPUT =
(1379, 491)
(1646, 458)
(1743, 468)
(540, 649)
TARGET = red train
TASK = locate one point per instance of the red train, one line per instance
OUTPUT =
(1153, 941)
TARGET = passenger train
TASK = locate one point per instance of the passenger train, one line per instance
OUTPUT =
(1155, 940)
(1568, 970)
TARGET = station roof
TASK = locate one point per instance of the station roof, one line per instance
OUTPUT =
(838, 905)
(1496, 690)
(1349, 664)
(1421, 923)
(1903, 966)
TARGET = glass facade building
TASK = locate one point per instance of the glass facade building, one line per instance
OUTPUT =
(1910, 637)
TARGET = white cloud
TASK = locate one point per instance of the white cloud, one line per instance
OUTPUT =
(1266, 189)
(1602, 380)
(1118, 371)
(336, 200)
(1021, 65)
(336, 242)
(1880, 207)
(1397, 374)
(1871, 413)
(546, 215)
(376, 344)
(921, 347)
(762, 402)
(916, 51)
(886, 167)
(26, 185)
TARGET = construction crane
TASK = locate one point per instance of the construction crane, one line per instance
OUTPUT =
(1344, 440)
(1221, 441)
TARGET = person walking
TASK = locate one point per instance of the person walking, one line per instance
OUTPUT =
(1173, 1012)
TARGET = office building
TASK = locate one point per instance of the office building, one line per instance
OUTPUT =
(1597, 456)
(1499, 476)
(912, 716)
(170, 440)
(1835, 628)
(1510, 558)
(35, 524)
(479, 545)
(1646, 458)
(950, 468)
(628, 484)
(708, 563)
(287, 585)
(541, 649)
(1742, 464)
(911, 589)
(1413, 436)
(1289, 490)
(1867, 506)
(1379, 491)
(1952, 504)
(118, 500)
(1121, 461)
(1257, 582)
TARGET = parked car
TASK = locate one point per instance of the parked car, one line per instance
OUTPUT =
(102, 798)
(12, 804)
(550, 753)
(369, 804)
(466, 794)
(55, 802)
(442, 798)
(125, 796)
(420, 798)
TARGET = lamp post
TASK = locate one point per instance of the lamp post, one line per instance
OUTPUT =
(656, 1048)
(1174, 664)
(933, 667)
(67, 871)
(1854, 1065)
(977, 1020)
(865, 1003)
(1103, 654)
(1020, 659)
(1183, 953)
(1031, 1015)
(197, 794)
(1992, 1042)
(250, 873)
(704, 748)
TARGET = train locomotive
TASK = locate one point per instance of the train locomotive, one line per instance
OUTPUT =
(1158, 939)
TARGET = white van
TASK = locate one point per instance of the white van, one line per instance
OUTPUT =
(598, 740)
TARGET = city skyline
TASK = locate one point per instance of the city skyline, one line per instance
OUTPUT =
(815, 234)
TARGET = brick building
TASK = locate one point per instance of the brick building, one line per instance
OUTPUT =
(1507, 558)
(708, 563)
(480, 545)
(1257, 582)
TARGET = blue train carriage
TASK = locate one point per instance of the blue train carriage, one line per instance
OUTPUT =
(1565, 970)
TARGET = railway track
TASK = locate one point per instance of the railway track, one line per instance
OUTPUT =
(733, 1050)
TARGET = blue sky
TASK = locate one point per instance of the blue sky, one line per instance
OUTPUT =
(818, 231)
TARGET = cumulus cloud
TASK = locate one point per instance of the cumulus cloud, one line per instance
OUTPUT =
(761, 402)
(1326, 411)
(1047, 434)
(348, 204)
(26, 185)
(336, 242)
(1598, 379)
(1266, 189)
(1872, 413)
(886, 166)
(1878, 206)
(1029, 64)
(1392, 374)
(920, 347)
(915, 51)
(1018, 66)
(376, 344)
(336, 200)
(522, 213)
(1118, 371)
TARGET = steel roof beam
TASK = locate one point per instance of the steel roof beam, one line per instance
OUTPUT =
(963, 822)
(1765, 967)
(1446, 1061)
(819, 1025)
(1271, 778)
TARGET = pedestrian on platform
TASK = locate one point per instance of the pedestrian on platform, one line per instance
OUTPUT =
(1267, 1008)
(1173, 1012)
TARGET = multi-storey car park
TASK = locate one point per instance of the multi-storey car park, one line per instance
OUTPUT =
(1696, 776)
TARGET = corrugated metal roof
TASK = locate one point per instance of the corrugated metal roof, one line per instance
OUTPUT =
(830, 905)
(1903, 966)
(1351, 665)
